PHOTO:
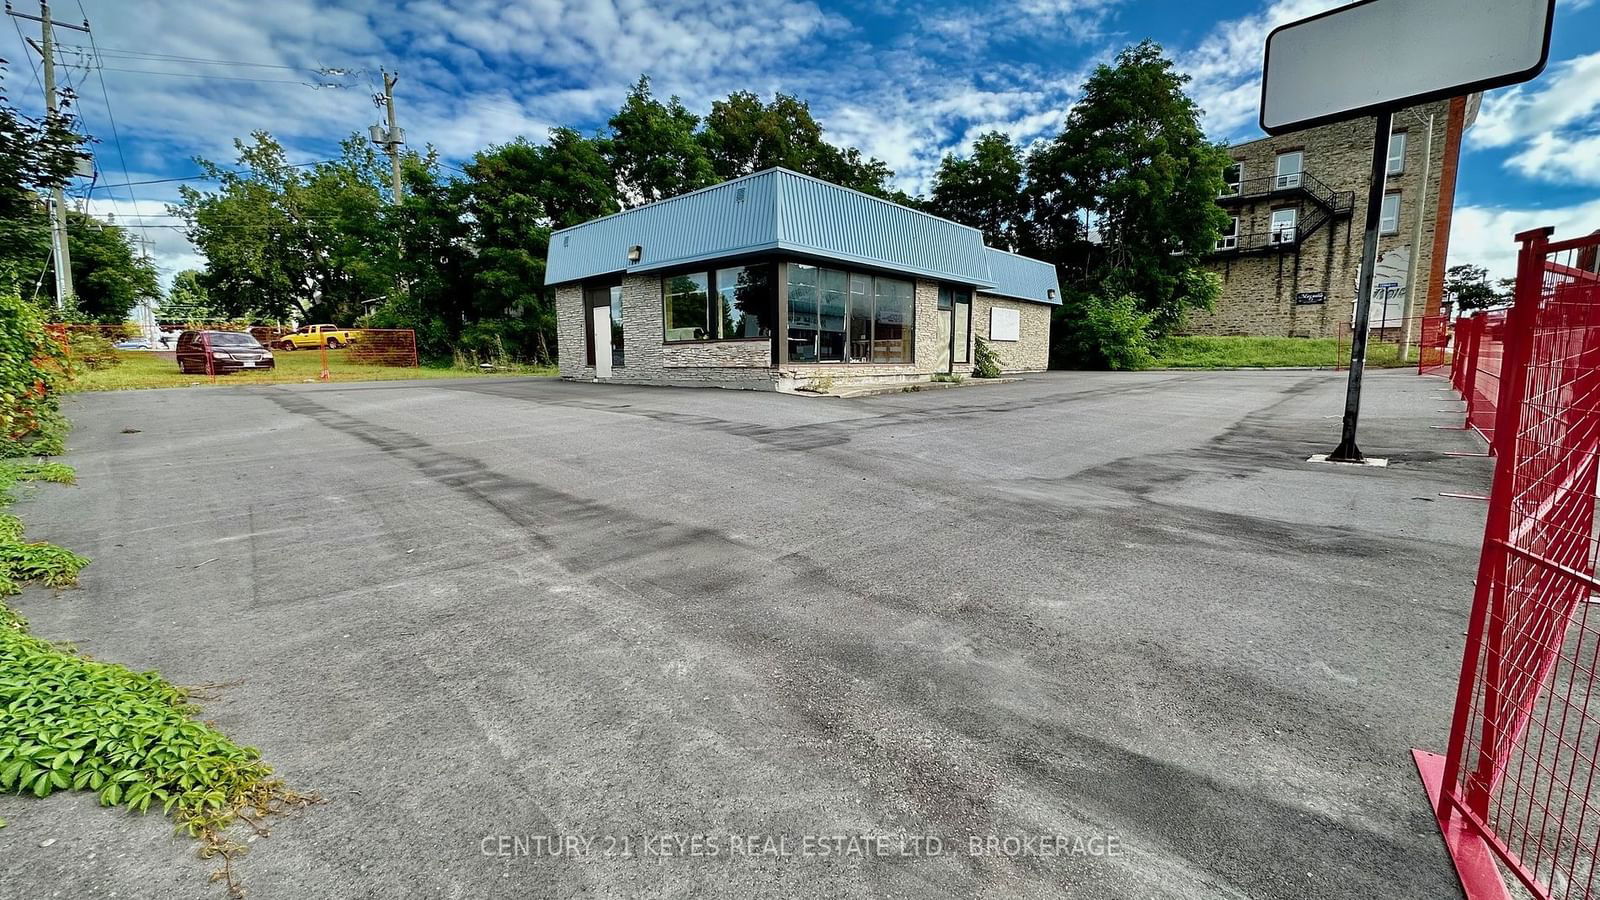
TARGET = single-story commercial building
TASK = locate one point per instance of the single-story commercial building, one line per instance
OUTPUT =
(777, 280)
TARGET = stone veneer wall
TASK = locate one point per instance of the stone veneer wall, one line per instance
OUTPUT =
(1032, 352)
(749, 363)
(1258, 289)
(646, 359)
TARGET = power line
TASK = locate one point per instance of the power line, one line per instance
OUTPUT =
(111, 52)
(211, 77)
(202, 176)
(116, 137)
(169, 57)
(31, 65)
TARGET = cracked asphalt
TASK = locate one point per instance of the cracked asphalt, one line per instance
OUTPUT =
(1116, 609)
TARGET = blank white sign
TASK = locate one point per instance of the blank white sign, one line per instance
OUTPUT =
(1004, 324)
(1355, 59)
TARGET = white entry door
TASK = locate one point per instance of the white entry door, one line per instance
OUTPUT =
(601, 317)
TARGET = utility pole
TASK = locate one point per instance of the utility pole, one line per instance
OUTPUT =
(58, 201)
(392, 138)
(1416, 243)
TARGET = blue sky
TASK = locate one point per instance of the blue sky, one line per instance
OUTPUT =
(905, 81)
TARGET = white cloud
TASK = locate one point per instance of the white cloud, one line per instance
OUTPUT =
(1559, 157)
(1082, 20)
(1483, 235)
(1567, 95)
(145, 219)
(1226, 64)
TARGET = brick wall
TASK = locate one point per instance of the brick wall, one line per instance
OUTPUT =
(1258, 290)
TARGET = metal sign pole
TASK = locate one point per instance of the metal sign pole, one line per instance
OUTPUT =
(1347, 451)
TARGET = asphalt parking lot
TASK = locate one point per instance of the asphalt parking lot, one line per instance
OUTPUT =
(1118, 608)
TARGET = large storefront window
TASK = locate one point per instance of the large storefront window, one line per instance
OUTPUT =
(735, 303)
(838, 316)
(744, 298)
(684, 306)
(894, 305)
(802, 314)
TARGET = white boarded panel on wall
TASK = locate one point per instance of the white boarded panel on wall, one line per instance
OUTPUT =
(1005, 324)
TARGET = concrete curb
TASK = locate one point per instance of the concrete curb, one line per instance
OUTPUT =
(900, 387)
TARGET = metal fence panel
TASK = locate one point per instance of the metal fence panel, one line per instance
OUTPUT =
(1517, 785)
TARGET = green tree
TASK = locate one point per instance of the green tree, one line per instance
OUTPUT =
(473, 249)
(36, 155)
(284, 242)
(1133, 160)
(742, 134)
(187, 299)
(519, 192)
(435, 296)
(653, 149)
(574, 182)
(1469, 287)
(984, 190)
(110, 278)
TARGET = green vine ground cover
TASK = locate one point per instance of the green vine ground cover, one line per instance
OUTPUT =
(69, 722)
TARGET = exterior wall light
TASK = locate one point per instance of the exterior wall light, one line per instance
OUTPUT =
(635, 253)
(1051, 293)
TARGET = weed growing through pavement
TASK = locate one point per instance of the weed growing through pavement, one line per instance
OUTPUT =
(69, 722)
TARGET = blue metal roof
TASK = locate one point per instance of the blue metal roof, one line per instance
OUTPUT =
(777, 209)
(1022, 277)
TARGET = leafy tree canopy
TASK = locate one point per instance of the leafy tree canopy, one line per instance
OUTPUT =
(984, 190)
(282, 241)
(187, 299)
(653, 149)
(1132, 158)
(742, 135)
(108, 276)
(1469, 287)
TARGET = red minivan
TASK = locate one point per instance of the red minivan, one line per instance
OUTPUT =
(220, 352)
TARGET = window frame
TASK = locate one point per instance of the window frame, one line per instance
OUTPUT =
(958, 300)
(1383, 215)
(851, 274)
(1278, 175)
(1229, 239)
(1397, 165)
(1237, 185)
(1294, 224)
(713, 295)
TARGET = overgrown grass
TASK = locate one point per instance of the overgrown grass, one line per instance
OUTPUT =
(147, 369)
(69, 722)
(1267, 352)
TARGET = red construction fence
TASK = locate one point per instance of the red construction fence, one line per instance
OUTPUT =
(1516, 791)
(256, 352)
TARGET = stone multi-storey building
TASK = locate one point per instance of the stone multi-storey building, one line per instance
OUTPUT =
(1290, 257)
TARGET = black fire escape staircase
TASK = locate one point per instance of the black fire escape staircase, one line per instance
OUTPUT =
(1325, 205)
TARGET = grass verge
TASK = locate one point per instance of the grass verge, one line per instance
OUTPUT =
(69, 722)
(150, 369)
(1267, 352)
